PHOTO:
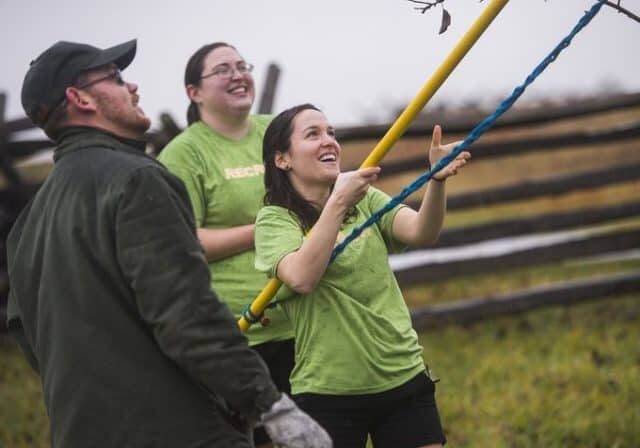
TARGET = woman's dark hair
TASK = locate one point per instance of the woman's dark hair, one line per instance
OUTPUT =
(279, 191)
(193, 75)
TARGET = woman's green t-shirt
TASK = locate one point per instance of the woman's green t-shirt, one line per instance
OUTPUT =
(353, 333)
(225, 182)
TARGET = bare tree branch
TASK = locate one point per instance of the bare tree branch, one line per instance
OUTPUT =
(426, 5)
(622, 10)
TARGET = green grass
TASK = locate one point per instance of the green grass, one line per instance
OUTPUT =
(558, 377)
(22, 415)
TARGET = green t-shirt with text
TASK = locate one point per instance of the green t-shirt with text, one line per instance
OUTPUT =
(225, 181)
(353, 332)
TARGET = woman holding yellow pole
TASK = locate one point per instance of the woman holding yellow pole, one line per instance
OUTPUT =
(359, 368)
(261, 301)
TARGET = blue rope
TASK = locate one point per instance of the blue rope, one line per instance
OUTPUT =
(480, 129)
(249, 315)
(252, 317)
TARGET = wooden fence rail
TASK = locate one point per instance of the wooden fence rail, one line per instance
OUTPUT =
(17, 192)
(585, 245)
(18, 125)
(507, 148)
(549, 222)
(513, 118)
(467, 311)
(547, 186)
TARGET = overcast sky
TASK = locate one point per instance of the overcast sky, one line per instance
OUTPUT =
(356, 59)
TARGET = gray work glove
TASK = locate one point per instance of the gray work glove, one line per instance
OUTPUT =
(289, 427)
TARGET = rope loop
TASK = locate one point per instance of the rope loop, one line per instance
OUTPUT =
(250, 316)
(253, 318)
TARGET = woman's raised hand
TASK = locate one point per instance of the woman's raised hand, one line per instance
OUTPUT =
(438, 151)
(351, 186)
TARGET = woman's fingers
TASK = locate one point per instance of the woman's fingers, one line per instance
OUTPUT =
(452, 168)
(370, 171)
(451, 146)
(436, 138)
(369, 175)
(354, 184)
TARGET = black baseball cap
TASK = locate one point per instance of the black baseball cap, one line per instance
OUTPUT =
(59, 67)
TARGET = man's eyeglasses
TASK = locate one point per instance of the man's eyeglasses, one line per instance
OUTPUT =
(115, 75)
(225, 71)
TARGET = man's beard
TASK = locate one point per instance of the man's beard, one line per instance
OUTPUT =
(123, 115)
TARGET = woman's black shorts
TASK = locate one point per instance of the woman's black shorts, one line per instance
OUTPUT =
(404, 417)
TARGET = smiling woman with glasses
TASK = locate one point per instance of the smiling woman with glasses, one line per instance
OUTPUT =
(219, 158)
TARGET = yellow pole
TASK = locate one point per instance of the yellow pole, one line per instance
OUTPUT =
(402, 123)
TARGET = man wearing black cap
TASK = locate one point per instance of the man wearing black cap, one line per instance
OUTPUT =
(110, 296)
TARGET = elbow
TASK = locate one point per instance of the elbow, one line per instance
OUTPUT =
(302, 280)
(304, 287)
(426, 239)
(431, 239)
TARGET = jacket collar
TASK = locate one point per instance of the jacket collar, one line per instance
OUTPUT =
(80, 137)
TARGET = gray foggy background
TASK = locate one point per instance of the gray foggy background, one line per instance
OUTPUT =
(358, 60)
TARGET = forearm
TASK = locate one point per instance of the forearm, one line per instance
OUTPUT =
(302, 270)
(170, 283)
(222, 243)
(422, 227)
(211, 349)
(431, 212)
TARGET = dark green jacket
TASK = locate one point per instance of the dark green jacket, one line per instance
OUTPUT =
(110, 299)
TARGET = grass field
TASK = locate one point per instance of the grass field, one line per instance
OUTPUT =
(23, 421)
(559, 377)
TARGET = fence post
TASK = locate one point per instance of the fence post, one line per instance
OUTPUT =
(269, 90)
(6, 165)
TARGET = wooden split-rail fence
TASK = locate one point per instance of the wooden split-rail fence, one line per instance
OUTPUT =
(586, 148)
